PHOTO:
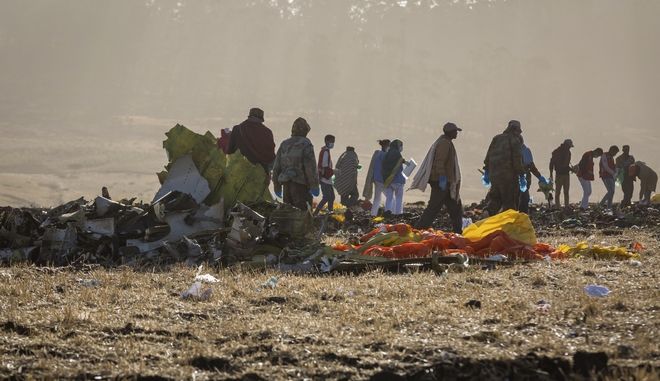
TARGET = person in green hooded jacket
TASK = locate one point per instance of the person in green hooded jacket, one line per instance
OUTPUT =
(295, 176)
(503, 166)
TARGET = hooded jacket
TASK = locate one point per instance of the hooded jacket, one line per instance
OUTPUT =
(295, 160)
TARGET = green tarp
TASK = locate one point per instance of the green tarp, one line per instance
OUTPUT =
(231, 177)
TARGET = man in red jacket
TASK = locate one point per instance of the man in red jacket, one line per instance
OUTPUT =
(585, 173)
(254, 140)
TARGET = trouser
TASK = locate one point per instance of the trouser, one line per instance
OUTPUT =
(439, 198)
(328, 198)
(645, 197)
(523, 203)
(627, 186)
(562, 181)
(378, 195)
(297, 195)
(351, 198)
(609, 196)
(504, 194)
(647, 187)
(394, 198)
(586, 192)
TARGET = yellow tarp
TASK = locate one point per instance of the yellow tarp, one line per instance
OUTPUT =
(517, 225)
(583, 249)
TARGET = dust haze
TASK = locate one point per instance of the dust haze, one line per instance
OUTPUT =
(90, 87)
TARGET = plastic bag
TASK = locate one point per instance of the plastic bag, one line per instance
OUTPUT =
(596, 291)
(619, 177)
(197, 292)
(515, 224)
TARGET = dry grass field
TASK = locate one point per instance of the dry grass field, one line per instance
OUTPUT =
(55, 323)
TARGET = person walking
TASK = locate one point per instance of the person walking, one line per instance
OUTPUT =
(503, 167)
(608, 175)
(530, 169)
(648, 181)
(373, 185)
(560, 162)
(325, 175)
(294, 170)
(585, 174)
(623, 163)
(254, 140)
(346, 173)
(440, 170)
(394, 179)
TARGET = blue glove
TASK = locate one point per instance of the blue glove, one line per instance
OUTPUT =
(442, 182)
(314, 192)
(543, 180)
(522, 182)
(278, 194)
(485, 179)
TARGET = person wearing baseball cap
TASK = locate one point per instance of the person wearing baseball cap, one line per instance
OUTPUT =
(560, 162)
(254, 140)
(440, 169)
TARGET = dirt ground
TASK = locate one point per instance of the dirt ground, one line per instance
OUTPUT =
(98, 323)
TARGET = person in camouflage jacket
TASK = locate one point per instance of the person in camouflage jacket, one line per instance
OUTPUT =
(295, 176)
(503, 164)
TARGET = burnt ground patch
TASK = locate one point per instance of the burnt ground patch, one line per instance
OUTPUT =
(212, 364)
(529, 367)
(10, 326)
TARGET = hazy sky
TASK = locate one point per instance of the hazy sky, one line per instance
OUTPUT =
(116, 74)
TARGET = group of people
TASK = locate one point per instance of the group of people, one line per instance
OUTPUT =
(612, 169)
(298, 175)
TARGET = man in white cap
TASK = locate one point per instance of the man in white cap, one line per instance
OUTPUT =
(560, 162)
(440, 169)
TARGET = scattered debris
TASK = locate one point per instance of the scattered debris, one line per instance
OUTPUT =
(89, 282)
(197, 292)
(596, 290)
(206, 278)
(213, 207)
(543, 306)
(270, 283)
(474, 304)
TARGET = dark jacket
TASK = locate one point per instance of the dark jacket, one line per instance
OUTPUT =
(561, 160)
(586, 166)
(445, 161)
(254, 140)
(393, 164)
